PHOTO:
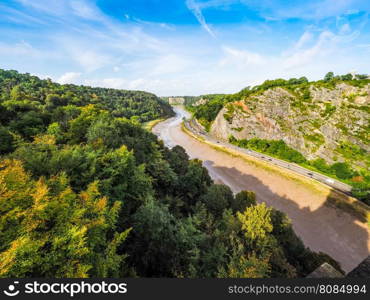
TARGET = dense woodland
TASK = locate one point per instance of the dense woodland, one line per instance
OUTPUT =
(85, 191)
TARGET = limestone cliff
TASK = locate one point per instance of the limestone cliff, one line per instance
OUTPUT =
(318, 122)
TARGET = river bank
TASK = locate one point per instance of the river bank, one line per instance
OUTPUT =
(321, 226)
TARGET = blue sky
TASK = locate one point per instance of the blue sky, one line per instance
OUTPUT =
(183, 47)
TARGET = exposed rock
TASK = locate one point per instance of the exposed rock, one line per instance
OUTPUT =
(325, 271)
(328, 271)
(176, 100)
(201, 101)
(315, 126)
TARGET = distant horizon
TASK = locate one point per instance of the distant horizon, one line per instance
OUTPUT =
(184, 47)
(178, 95)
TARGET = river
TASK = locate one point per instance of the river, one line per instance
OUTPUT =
(320, 226)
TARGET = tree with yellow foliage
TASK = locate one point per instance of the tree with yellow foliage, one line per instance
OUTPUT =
(47, 230)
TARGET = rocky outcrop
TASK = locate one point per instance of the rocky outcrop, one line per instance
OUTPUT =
(317, 121)
(325, 271)
(201, 101)
(176, 100)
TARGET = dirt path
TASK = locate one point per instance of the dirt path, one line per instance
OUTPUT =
(322, 228)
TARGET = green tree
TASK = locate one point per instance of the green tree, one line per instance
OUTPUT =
(329, 76)
(218, 198)
(161, 241)
(246, 267)
(17, 93)
(342, 170)
(6, 141)
(243, 200)
(194, 183)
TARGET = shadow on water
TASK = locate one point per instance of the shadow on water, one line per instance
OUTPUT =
(324, 228)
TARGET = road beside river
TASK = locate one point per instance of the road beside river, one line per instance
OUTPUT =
(321, 227)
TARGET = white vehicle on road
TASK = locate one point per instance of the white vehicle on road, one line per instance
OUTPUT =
(329, 180)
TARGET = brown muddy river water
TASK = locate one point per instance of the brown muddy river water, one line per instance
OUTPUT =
(322, 228)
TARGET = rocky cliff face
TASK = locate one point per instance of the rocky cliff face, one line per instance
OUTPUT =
(176, 101)
(201, 101)
(318, 122)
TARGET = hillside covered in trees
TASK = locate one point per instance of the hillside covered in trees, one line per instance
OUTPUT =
(322, 125)
(86, 191)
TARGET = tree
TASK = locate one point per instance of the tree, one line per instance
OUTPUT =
(329, 76)
(161, 241)
(82, 172)
(178, 160)
(28, 124)
(303, 79)
(47, 230)
(342, 170)
(256, 224)
(218, 198)
(194, 183)
(246, 267)
(243, 200)
(361, 76)
(121, 180)
(52, 101)
(347, 77)
(6, 141)
(56, 130)
(17, 93)
(79, 126)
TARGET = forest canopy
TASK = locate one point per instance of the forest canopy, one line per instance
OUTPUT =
(86, 191)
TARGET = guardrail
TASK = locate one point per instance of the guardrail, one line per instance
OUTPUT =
(333, 183)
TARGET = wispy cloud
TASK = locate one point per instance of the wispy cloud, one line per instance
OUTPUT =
(325, 44)
(76, 41)
(301, 57)
(194, 7)
(241, 58)
(86, 10)
(305, 38)
(22, 49)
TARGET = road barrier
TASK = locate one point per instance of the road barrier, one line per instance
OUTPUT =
(333, 183)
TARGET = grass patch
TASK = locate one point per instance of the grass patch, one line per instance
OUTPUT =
(150, 124)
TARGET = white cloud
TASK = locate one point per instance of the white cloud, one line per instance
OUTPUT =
(19, 49)
(168, 64)
(54, 8)
(69, 77)
(89, 57)
(305, 56)
(241, 58)
(306, 37)
(196, 10)
(92, 60)
(85, 10)
(136, 54)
